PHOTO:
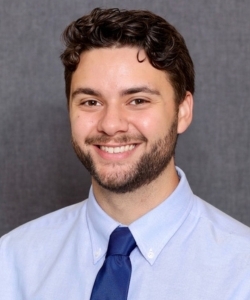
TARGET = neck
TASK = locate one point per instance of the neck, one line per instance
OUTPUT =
(128, 207)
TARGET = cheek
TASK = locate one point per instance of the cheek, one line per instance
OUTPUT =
(81, 126)
(151, 124)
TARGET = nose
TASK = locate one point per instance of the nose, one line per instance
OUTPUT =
(113, 120)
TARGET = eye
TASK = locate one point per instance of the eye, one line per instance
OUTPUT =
(138, 101)
(91, 103)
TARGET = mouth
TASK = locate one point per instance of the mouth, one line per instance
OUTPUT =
(120, 149)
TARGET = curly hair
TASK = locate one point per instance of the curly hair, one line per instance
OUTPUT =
(164, 46)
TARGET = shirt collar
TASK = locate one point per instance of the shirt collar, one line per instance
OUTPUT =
(100, 227)
(151, 232)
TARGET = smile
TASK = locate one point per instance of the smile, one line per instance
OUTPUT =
(117, 149)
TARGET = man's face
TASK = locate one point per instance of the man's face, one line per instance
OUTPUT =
(123, 118)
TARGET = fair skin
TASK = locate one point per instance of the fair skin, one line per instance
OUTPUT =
(113, 95)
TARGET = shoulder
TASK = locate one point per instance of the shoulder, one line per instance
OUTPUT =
(207, 219)
(41, 248)
(51, 226)
(219, 223)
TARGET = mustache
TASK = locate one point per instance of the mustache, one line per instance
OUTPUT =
(103, 139)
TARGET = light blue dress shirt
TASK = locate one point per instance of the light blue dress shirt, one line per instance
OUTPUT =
(186, 249)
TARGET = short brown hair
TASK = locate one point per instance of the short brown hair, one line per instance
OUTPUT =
(103, 28)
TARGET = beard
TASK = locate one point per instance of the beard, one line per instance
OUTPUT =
(150, 165)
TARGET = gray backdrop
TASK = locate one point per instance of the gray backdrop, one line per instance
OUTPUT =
(39, 172)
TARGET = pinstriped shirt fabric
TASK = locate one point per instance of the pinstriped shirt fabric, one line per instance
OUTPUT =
(186, 249)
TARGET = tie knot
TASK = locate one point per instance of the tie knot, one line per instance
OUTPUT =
(121, 242)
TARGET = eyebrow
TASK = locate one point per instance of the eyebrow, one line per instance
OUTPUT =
(130, 91)
(86, 91)
(140, 89)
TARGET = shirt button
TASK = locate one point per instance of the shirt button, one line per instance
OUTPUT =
(151, 254)
(97, 253)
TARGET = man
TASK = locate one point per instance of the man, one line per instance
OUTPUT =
(129, 84)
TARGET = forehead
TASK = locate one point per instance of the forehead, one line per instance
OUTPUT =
(117, 68)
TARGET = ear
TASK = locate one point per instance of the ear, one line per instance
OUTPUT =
(185, 113)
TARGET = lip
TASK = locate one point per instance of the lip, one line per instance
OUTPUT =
(116, 152)
(117, 149)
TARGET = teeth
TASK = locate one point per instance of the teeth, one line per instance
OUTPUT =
(117, 149)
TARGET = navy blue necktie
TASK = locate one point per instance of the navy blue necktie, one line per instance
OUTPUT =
(112, 280)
